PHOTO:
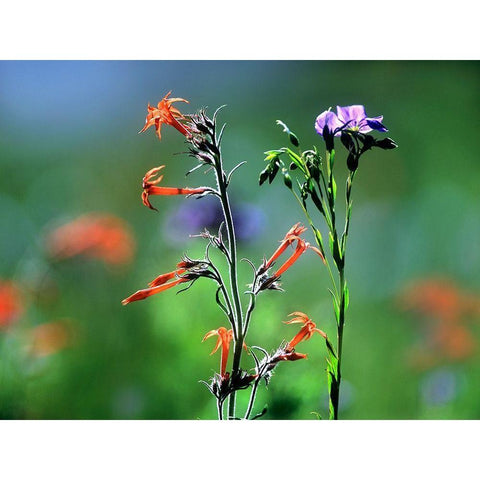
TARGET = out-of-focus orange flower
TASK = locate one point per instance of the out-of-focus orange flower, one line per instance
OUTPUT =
(165, 113)
(444, 309)
(94, 235)
(455, 342)
(11, 305)
(49, 338)
(149, 186)
(439, 298)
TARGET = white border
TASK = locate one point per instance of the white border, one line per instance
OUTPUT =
(238, 450)
(214, 29)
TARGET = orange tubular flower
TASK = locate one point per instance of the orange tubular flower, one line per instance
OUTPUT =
(150, 188)
(225, 337)
(147, 292)
(308, 329)
(301, 247)
(165, 277)
(291, 236)
(165, 113)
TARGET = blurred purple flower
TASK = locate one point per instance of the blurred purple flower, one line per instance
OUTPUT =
(192, 218)
(351, 118)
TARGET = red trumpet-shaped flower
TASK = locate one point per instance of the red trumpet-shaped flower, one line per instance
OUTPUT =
(165, 113)
(225, 337)
(149, 186)
(291, 236)
(306, 332)
(301, 247)
(193, 269)
(287, 352)
(148, 292)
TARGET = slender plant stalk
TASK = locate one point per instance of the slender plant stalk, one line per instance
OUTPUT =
(253, 394)
(238, 315)
(220, 409)
(343, 304)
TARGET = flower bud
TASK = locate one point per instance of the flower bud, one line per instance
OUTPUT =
(386, 144)
(264, 175)
(286, 178)
(294, 139)
(352, 162)
(328, 137)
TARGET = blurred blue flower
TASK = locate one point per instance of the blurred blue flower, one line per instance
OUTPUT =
(192, 217)
(440, 387)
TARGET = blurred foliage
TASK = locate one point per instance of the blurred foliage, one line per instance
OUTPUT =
(70, 146)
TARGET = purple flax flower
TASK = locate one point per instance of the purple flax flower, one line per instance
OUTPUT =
(351, 118)
(327, 119)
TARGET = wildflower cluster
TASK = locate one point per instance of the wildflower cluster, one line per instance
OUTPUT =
(204, 145)
(315, 186)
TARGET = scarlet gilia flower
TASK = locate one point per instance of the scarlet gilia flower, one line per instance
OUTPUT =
(190, 270)
(224, 339)
(165, 113)
(157, 288)
(306, 332)
(292, 236)
(11, 306)
(182, 267)
(149, 186)
(94, 235)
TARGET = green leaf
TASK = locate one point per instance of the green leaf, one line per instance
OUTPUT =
(334, 189)
(319, 239)
(336, 306)
(334, 249)
(296, 159)
(346, 296)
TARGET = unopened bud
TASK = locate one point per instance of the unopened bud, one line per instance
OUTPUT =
(386, 144)
(294, 139)
(352, 162)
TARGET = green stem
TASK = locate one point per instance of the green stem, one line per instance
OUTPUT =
(252, 398)
(341, 272)
(220, 410)
(222, 186)
(341, 323)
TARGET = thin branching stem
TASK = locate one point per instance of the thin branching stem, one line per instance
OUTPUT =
(238, 315)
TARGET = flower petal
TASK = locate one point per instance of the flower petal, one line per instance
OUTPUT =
(329, 119)
(352, 113)
(376, 123)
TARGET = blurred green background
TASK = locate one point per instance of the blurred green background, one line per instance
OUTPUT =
(69, 146)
